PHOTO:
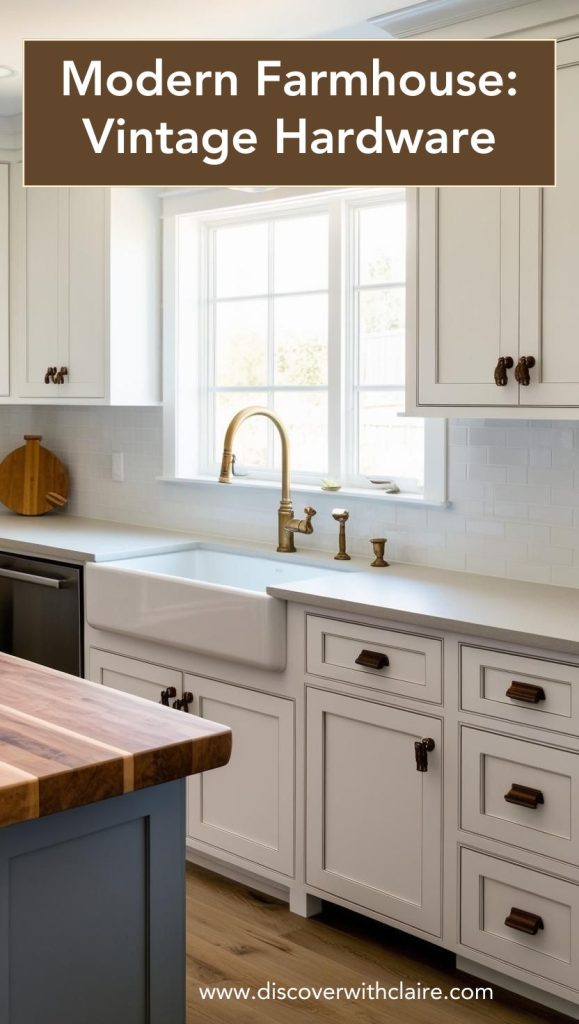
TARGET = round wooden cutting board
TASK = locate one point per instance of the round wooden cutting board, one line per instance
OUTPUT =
(32, 480)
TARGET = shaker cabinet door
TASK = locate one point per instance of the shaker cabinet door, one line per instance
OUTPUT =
(59, 299)
(4, 284)
(550, 258)
(374, 827)
(141, 678)
(465, 308)
(246, 808)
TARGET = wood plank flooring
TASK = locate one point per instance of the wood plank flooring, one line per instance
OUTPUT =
(236, 936)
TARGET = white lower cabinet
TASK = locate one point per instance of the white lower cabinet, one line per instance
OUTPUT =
(374, 823)
(140, 678)
(521, 917)
(247, 808)
(4, 283)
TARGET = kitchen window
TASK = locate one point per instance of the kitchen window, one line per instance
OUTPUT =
(297, 305)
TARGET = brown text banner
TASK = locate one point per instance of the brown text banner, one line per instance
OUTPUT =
(315, 112)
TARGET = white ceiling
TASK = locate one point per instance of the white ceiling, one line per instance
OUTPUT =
(169, 19)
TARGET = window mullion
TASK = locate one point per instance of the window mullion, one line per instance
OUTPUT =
(335, 338)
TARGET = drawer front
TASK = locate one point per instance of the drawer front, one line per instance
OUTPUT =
(542, 784)
(413, 663)
(543, 698)
(491, 889)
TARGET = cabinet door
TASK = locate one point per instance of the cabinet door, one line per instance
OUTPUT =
(467, 300)
(550, 258)
(374, 827)
(140, 678)
(246, 808)
(59, 290)
(4, 288)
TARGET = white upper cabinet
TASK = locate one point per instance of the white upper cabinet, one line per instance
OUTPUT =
(85, 291)
(4, 279)
(493, 288)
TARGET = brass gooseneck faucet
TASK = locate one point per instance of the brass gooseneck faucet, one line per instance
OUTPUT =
(287, 524)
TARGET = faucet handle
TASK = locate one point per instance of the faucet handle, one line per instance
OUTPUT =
(310, 512)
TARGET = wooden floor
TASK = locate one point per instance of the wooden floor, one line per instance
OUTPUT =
(239, 937)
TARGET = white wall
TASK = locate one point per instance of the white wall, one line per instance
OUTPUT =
(514, 489)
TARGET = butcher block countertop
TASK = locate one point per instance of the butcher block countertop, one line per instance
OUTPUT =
(65, 742)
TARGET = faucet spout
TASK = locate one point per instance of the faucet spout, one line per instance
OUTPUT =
(286, 521)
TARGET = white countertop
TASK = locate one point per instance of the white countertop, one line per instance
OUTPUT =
(73, 538)
(534, 613)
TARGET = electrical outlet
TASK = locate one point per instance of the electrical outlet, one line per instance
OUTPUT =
(118, 466)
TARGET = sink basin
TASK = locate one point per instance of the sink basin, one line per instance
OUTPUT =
(204, 599)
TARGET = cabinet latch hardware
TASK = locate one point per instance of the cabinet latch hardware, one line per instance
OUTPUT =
(529, 693)
(167, 695)
(524, 796)
(182, 704)
(372, 659)
(422, 748)
(61, 374)
(524, 921)
(522, 368)
(501, 377)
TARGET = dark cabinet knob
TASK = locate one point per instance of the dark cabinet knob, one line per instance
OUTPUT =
(524, 921)
(372, 659)
(524, 796)
(50, 374)
(167, 695)
(522, 368)
(504, 363)
(182, 704)
(421, 750)
(528, 693)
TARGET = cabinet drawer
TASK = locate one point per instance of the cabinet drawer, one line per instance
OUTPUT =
(547, 808)
(413, 665)
(491, 888)
(543, 698)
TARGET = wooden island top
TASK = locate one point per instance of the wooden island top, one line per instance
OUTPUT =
(66, 742)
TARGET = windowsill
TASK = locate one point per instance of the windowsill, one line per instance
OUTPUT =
(373, 494)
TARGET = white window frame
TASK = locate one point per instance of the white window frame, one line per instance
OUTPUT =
(189, 216)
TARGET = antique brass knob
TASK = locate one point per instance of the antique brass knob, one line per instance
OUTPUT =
(522, 368)
(504, 363)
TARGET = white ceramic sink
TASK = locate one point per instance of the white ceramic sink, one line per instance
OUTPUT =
(205, 599)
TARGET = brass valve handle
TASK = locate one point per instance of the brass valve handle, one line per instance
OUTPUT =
(341, 515)
(421, 750)
(522, 368)
(504, 363)
(304, 525)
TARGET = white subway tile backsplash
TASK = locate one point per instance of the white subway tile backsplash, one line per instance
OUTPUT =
(513, 488)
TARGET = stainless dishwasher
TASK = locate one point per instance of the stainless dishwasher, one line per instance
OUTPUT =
(41, 611)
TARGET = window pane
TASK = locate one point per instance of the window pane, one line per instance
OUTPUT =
(389, 446)
(381, 317)
(241, 260)
(301, 340)
(251, 438)
(382, 243)
(305, 414)
(301, 253)
(241, 343)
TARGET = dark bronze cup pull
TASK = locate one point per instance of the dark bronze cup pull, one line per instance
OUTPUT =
(372, 659)
(421, 751)
(524, 796)
(523, 921)
(167, 695)
(526, 692)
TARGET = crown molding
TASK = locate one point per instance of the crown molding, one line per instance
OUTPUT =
(472, 18)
